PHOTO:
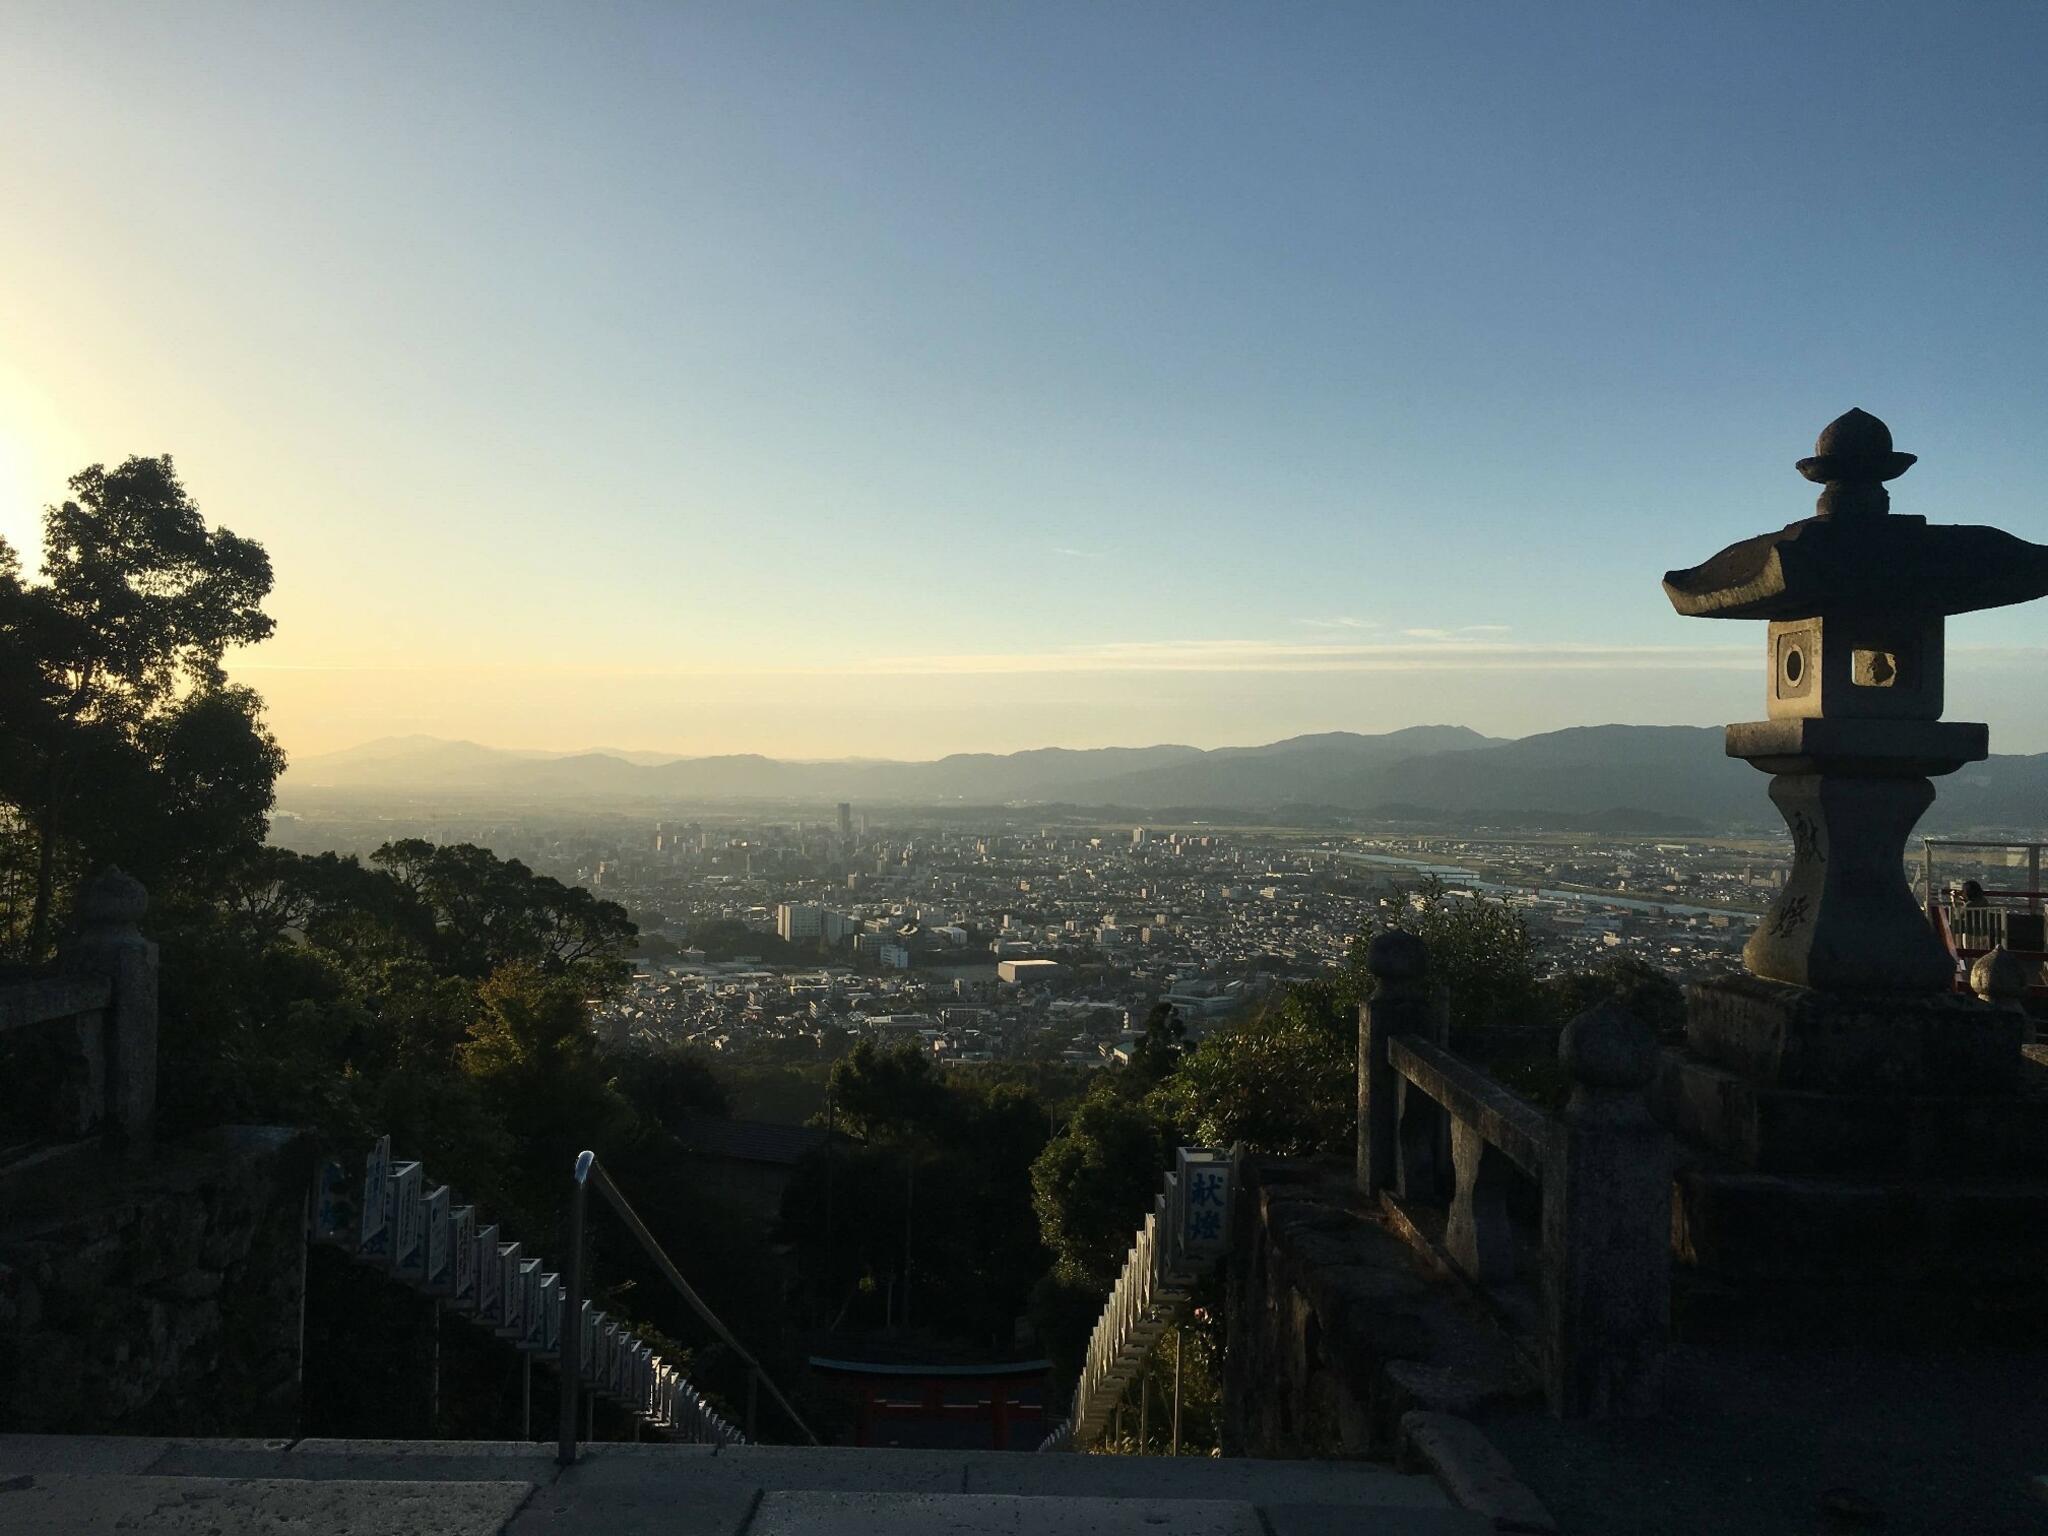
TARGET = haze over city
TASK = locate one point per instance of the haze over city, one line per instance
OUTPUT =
(826, 381)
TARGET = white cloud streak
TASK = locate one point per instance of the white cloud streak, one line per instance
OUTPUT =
(1455, 650)
(1452, 634)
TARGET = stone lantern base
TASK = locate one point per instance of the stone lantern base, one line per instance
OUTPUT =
(1867, 1147)
(1856, 1166)
(1789, 1040)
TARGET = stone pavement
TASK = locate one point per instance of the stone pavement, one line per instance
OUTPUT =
(1902, 1442)
(87, 1486)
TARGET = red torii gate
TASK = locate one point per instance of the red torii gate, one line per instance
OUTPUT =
(1003, 1396)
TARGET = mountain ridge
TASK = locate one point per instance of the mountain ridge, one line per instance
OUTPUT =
(418, 761)
(1581, 776)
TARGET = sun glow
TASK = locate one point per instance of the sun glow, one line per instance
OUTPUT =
(37, 451)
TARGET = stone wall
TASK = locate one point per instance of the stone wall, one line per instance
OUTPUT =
(158, 1298)
(1337, 1328)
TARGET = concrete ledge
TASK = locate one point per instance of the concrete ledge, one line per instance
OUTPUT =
(82, 1455)
(798, 1467)
(409, 1461)
(1352, 1485)
(57, 1504)
(656, 1505)
(86, 1487)
(1473, 1473)
(1323, 1520)
(923, 1514)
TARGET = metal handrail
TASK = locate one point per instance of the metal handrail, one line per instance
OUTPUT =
(1960, 842)
(589, 1171)
(2033, 851)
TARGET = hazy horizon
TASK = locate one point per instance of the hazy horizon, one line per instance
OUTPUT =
(614, 750)
(890, 381)
(666, 754)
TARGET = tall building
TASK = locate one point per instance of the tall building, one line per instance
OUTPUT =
(845, 822)
(1140, 837)
(796, 924)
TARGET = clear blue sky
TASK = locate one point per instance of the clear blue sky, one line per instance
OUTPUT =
(894, 379)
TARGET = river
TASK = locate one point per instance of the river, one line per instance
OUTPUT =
(1457, 874)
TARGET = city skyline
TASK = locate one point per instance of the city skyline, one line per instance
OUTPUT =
(823, 382)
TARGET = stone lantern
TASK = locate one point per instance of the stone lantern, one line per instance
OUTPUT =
(1856, 598)
(1866, 1146)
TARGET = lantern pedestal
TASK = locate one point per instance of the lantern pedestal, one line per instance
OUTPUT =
(1850, 792)
(1846, 917)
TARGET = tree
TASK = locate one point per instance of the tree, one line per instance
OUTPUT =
(1284, 1081)
(994, 1243)
(889, 1095)
(656, 946)
(488, 912)
(723, 938)
(1635, 984)
(1481, 958)
(440, 995)
(1281, 1082)
(120, 716)
(200, 802)
(1159, 1052)
(671, 1083)
(532, 1054)
(331, 901)
(1092, 1185)
(937, 1190)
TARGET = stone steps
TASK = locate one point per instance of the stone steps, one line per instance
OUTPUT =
(85, 1486)
(1896, 1137)
(1961, 1232)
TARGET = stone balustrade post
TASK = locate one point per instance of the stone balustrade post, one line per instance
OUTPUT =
(1477, 1233)
(2000, 979)
(1607, 1226)
(1422, 1146)
(1399, 964)
(109, 943)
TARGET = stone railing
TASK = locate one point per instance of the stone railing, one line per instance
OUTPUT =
(101, 1010)
(394, 1218)
(1187, 1231)
(1435, 1131)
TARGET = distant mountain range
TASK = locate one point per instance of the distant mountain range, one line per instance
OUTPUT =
(1615, 777)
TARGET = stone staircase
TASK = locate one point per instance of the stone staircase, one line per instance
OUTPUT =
(86, 1486)
(395, 1219)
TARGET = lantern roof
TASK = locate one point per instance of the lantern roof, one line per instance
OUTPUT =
(1854, 555)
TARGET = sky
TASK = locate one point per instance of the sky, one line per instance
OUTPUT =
(896, 379)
